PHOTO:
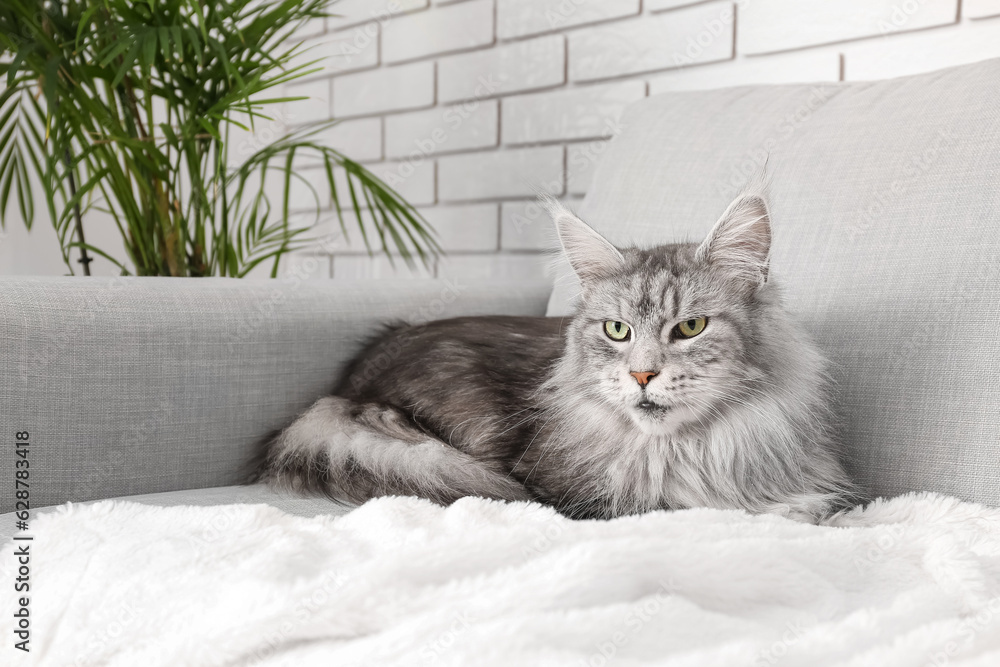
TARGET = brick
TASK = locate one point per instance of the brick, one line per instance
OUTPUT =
(796, 67)
(524, 65)
(442, 129)
(766, 26)
(388, 89)
(980, 8)
(517, 18)
(346, 51)
(462, 26)
(524, 225)
(314, 109)
(922, 51)
(581, 163)
(508, 173)
(413, 180)
(362, 267)
(501, 267)
(472, 227)
(578, 113)
(699, 34)
(356, 12)
(360, 139)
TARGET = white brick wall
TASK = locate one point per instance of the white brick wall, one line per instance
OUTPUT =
(501, 174)
(517, 18)
(444, 129)
(453, 28)
(468, 107)
(699, 34)
(381, 90)
(764, 26)
(509, 68)
(576, 113)
(981, 8)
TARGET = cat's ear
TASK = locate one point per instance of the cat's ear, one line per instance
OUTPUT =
(590, 254)
(740, 242)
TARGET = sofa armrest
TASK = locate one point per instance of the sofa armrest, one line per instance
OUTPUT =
(141, 385)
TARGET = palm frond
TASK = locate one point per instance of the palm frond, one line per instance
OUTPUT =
(135, 101)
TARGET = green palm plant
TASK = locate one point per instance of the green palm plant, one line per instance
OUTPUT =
(130, 107)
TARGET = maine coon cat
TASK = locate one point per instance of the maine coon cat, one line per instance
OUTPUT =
(679, 382)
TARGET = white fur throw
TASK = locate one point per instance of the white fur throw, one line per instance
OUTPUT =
(910, 581)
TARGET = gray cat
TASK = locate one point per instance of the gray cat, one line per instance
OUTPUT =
(680, 382)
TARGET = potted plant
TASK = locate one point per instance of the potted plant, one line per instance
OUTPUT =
(131, 108)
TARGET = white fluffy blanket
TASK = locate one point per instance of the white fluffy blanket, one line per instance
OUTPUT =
(910, 581)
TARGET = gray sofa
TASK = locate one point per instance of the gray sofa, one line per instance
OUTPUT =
(886, 209)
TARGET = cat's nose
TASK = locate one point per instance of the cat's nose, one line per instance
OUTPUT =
(642, 377)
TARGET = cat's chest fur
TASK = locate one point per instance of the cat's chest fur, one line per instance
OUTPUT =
(591, 452)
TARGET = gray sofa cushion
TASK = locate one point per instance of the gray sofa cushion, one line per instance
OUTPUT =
(143, 385)
(253, 494)
(886, 212)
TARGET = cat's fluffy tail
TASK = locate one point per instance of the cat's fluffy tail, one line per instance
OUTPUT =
(353, 452)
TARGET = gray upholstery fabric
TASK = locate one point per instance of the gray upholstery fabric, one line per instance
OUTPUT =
(253, 494)
(886, 213)
(143, 385)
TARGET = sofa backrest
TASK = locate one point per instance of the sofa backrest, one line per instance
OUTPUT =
(885, 201)
(138, 385)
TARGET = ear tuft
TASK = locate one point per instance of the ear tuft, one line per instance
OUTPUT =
(740, 242)
(590, 254)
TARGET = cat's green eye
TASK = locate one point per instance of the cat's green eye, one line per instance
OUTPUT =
(617, 330)
(691, 328)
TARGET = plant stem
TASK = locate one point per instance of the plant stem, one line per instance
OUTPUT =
(85, 259)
